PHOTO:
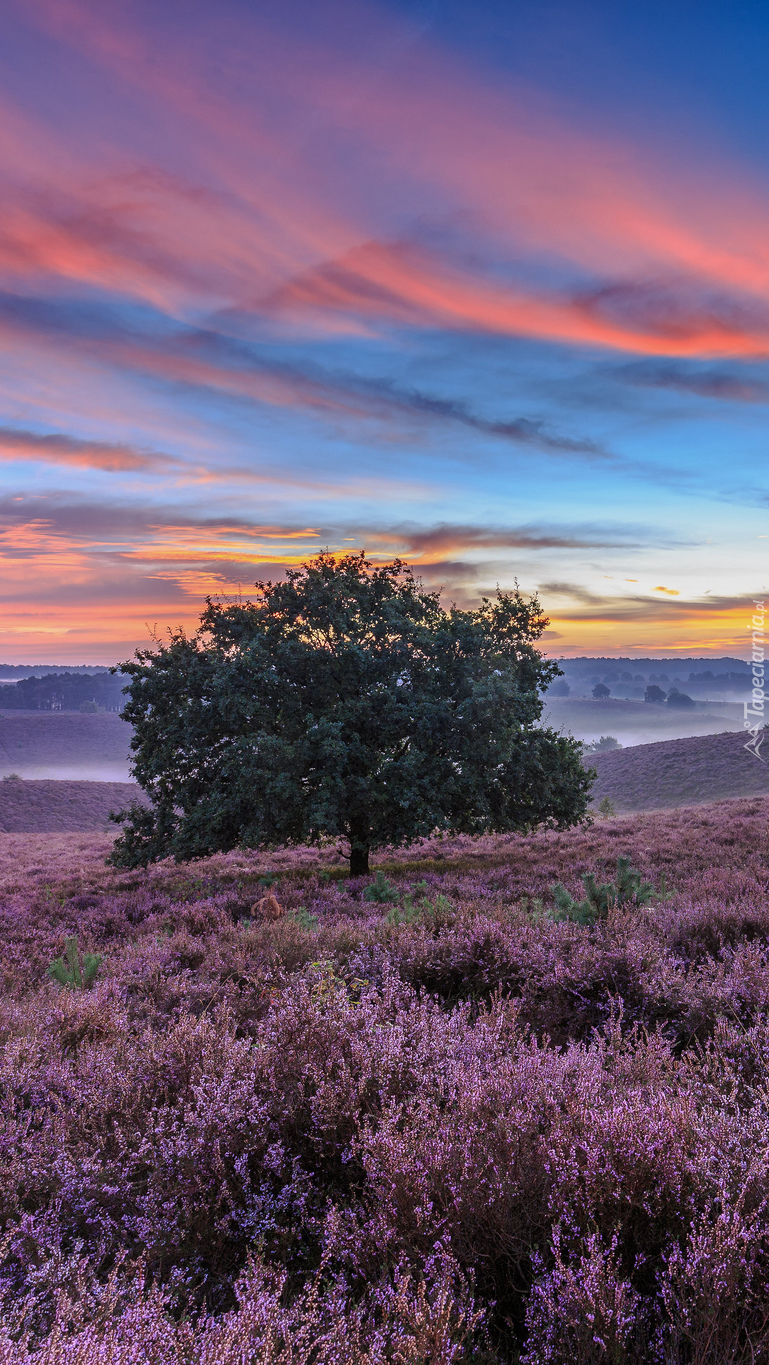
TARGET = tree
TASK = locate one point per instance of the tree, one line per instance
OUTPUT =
(344, 701)
(602, 745)
(654, 694)
(680, 699)
(601, 690)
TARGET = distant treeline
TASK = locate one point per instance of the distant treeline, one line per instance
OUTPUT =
(42, 670)
(64, 692)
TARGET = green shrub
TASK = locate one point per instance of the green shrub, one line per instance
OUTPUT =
(433, 914)
(304, 919)
(381, 890)
(602, 745)
(75, 969)
(628, 889)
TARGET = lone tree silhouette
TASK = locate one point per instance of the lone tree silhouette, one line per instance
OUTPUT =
(344, 701)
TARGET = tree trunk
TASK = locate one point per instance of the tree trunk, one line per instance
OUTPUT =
(359, 860)
(360, 844)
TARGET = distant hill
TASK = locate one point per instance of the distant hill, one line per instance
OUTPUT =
(587, 661)
(50, 807)
(680, 772)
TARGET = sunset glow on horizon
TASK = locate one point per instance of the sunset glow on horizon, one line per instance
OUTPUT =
(481, 285)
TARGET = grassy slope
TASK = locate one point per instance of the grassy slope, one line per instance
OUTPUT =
(679, 772)
(689, 844)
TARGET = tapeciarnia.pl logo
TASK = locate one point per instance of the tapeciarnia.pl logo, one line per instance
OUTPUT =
(754, 709)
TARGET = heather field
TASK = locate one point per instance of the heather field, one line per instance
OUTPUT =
(289, 1122)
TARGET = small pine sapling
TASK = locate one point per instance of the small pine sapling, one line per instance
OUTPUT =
(304, 919)
(381, 891)
(435, 914)
(628, 889)
(75, 970)
(407, 912)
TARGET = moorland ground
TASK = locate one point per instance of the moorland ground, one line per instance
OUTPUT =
(297, 1120)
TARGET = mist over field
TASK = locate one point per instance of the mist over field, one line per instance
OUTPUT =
(700, 696)
(633, 722)
(64, 745)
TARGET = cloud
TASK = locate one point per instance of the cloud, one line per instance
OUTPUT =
(266, 217)
(57, 448)
(403, 284)
(636, 609)
(705, 383)
(574, 591)
(519, 430)
(446, 537)
(179, 236)
(107, 522)
(204, 359)
(98, 521)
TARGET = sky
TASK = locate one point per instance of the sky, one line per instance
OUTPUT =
(481, 285)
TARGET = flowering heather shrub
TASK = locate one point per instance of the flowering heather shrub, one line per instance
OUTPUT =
(442, 1128)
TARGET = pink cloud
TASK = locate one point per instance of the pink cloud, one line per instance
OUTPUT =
(263, 210)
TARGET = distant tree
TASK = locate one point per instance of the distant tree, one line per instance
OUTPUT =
(559, 689)
(680, 699)
(602, 745)
(654, 694)
(601, 690)
(344, 701)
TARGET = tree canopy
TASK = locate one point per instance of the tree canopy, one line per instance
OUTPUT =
(344, 701)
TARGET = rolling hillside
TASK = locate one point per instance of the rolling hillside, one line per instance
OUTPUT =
(679, 772)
